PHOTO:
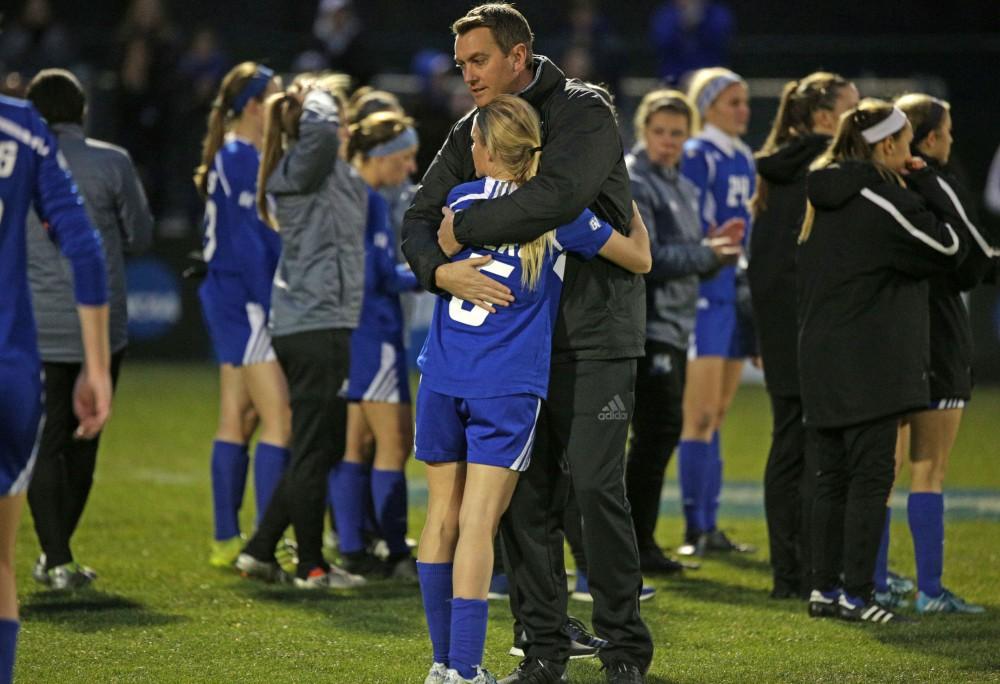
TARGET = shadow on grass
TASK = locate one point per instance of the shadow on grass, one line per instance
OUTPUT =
(709, 590)
(970, 640)
(87, 610)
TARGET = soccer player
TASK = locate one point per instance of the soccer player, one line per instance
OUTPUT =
(868, 245)
(599, 335)
(802, 129)
(383, 148)
(115, 201)
(681, 255)
(241, 252)
(33, 174)
(483, 380)
(931, 433)
(318, 204)
(721, 167)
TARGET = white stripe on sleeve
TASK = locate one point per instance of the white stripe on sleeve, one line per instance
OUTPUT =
(977, 236)
(891, 209)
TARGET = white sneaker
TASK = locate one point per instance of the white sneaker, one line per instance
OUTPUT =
(338, 578)
(438, 674)
(482, 677)
(258, 569)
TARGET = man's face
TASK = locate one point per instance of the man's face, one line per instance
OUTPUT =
(486, 70)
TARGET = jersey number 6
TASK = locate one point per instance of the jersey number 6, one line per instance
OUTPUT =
(475, 316)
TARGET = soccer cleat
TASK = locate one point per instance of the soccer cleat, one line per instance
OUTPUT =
(582, 644)
(225, 552)
(331, 541)
(316, 579)
(902, 586)
(654, 562)
(482, 677)
(338, 578)
(718, 542)
(536, 671)
(38, 572)
(437, 674)
(856, 610)
(69, 576)
(823, 603)
(694, 545)
(286, 553)
(364, 564)
(581, 590)
(253, 568)
(947, 602)
(890, 599)
(499, 588)
(623, 673)
(403, 568)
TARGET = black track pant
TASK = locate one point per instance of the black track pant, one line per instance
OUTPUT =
(789, 488)
(855, 473)
(316, 364)
(64, 466)
(582, 431)
(659, 393)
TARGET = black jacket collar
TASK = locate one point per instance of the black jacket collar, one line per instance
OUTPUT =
(548, 78)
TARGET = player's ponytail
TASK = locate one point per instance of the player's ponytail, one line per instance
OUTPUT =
(511, 131)
(375, 130)
(220, 117)
(281, 124)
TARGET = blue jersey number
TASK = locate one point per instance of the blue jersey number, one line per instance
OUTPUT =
(476, 316)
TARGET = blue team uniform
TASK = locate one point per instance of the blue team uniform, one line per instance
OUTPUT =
(722, 169)
(33, 174)
(242, 253)
(378, 358)
(484, 375)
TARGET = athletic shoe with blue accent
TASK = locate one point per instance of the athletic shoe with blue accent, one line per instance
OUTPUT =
(482, 677)
(823, 603)
(947, 602)
(856, 610)
(581, 590)
(903, 586)
(499, 588)
(890, 599)
(437, 674)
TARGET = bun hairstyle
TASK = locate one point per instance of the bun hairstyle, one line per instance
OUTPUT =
(663, 100)
(281, 126)
(510, 130)
(850, 144)
(221, 116)
(800, 100)
(374, 130)
(926, 113)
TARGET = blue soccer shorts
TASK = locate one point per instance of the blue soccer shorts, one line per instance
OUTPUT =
(718, 331)
(21, 410)
(378, 369)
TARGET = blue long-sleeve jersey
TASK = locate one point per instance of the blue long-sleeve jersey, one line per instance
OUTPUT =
(385, 277)
(722, 169)
(32, 173)
(236, 241)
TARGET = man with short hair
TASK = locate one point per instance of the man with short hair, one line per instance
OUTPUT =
(599, 334)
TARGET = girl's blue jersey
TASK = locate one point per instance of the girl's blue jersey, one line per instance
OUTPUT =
(385, 277)
(236, 241)
(33, 174)
(722, 169)
(473, 354)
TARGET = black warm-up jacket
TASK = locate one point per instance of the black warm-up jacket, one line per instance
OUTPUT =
(863, 294)
(602, 313)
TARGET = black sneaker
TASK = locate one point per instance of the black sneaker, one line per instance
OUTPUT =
(582, 644)
(654, 562)
(623, 673)
(783, 591)
(859, 611)
(717, 541)
(365, 564)
(536, 671)
(823, 603)
(694, 545)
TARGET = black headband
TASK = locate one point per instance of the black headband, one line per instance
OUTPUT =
(931, 123)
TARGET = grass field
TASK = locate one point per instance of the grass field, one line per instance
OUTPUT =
(159, 613)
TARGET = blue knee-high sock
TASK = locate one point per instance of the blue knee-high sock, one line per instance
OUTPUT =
(435, 588)
(8, 648)
(882, 561)
(713, 483)
(925, 511)
(692, 462)
(229, 473)
(269, 462)
(351, 483)
(468, 635)
(389, 493)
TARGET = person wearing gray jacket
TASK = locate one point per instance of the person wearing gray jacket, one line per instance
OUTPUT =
(115, 201)
(319, 205)
(668, 204)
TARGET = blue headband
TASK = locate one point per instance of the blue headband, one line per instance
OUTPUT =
(254, 87)
(404, 141)
(714, 88)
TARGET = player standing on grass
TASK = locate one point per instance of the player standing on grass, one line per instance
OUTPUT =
(383, 148)
(869, 243)
(241, 252)
(721, 167)
(598, 336)
(114, 199)
(476, 438)
(807, 118)
(33, 173)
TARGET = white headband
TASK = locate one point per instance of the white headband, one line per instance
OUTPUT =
(886, 127)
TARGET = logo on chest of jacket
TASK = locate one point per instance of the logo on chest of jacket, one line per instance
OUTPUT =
(614, 410)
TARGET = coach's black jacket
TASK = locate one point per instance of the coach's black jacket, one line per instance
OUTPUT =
(950, 329)
(773, 242)
(862, 292)
(602, 314)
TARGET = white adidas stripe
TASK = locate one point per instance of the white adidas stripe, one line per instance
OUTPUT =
(976, 235)
(891, 209)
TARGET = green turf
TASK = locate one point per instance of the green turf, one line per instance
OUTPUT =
(158, 613)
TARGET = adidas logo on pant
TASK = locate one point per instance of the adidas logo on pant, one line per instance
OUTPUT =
(614, 410)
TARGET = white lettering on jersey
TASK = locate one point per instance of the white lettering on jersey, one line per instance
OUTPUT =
(739, 191)
(8, 157)
(476, 316)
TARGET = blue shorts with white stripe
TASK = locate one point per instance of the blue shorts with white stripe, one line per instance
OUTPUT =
(21, 409)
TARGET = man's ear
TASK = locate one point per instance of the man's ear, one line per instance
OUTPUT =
(519, 54)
